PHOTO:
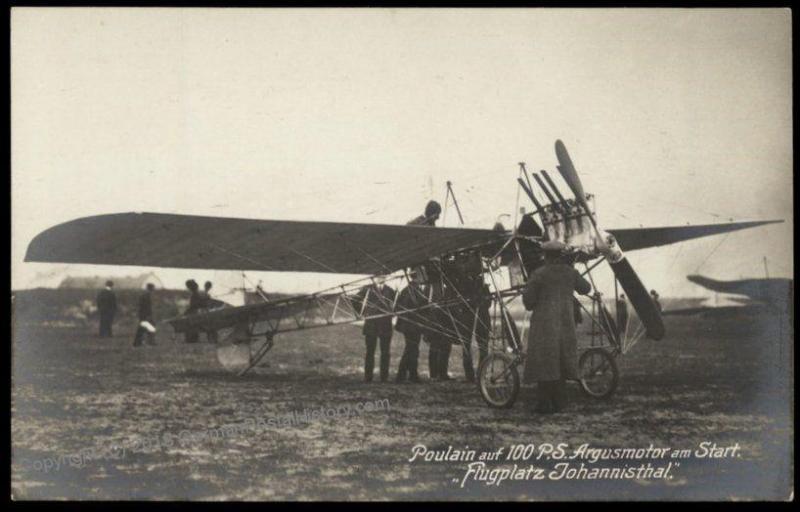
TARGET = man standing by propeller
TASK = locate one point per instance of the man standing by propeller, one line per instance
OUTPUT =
(552, 340)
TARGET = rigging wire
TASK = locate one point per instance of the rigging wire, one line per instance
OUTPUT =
(712, 252)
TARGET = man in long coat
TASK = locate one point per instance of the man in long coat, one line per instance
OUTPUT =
(107, 307)
(552, 341)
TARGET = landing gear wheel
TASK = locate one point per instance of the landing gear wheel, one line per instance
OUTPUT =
(498, 380)
(598, 373)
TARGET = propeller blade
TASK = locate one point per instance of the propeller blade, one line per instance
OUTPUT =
(639, 298)
(637, 294)
(570, 175)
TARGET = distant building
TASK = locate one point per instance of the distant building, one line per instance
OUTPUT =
(120, 283)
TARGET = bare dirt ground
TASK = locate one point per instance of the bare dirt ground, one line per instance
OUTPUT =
(718, 380)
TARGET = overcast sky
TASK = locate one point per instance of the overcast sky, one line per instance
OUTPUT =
(671, 117)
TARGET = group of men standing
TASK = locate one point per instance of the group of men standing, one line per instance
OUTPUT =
(418, 319)
(107, 309)
(199, 300)
(439, 327)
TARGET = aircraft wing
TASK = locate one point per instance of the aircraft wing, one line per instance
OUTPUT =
(188, 241)
(222, 243)
(642, 238)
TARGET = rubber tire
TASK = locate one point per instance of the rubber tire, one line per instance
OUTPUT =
(515, 381)
(614, 373)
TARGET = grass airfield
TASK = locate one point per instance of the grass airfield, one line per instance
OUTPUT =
(711, 380)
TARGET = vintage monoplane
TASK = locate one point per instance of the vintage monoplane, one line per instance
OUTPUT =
(453, 263)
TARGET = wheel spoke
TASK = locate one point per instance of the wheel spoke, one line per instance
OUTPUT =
(498, 380)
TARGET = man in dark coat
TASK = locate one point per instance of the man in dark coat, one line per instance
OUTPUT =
(411, 322)
(474, 294)
(443, 321)
(377, 301)
(146, 322)
(552, 340)
(107, 307)
(441, 345)
(195, 305)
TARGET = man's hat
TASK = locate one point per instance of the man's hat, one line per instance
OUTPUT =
(432, 209)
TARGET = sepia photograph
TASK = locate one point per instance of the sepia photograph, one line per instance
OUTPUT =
(401, 254)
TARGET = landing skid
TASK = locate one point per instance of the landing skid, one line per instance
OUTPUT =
(258, 355)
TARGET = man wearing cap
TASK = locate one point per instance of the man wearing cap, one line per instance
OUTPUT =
(429, 218)
(107, 307)
(552, 340)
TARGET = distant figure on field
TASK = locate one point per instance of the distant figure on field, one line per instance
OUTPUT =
(107, 307)
(146, 328)
(195, 303)
(654, 295)
(208, 303)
